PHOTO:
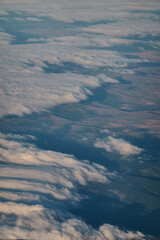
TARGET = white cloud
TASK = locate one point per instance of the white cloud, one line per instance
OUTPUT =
(56, 174)
(104, 131)
(89, 11)
(36, 39)
(106, 79)
(26, 88)
(68, 172)
(85, 40)
(5, 38)
(126, 28)
(33, 19)
(112, 233)
(118, 145)
(18, 196)
(19, 19)
(22, 64)
(60, 193)
(41, 90)
(18, 209)
(36, 222)
(4, 13)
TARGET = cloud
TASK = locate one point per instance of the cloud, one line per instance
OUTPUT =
(56, 174)
(23, 66)
(84, 40)
(4, 13)
(33, 19)
(26, 187)
(81, 11)
(113, 29)
(5, 38)
(37, 222)
(36, 40)
(42, 93)
(106, 79)
(26, 88)
(118, 145)
(41, 90)
(60, 193)
(68, 172)
(29, 174)
(18, 196)
(18, 209)
(110, 232)
(19, 19)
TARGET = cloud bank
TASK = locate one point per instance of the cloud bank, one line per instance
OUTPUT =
(26, 88)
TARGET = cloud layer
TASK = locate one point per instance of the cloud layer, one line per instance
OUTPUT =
(58, 52)
(68, 172)
(32, 178)
(26, 88)
(37, 222)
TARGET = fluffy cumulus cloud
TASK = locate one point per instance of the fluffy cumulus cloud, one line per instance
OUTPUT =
(32, 179)
(118, 145)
